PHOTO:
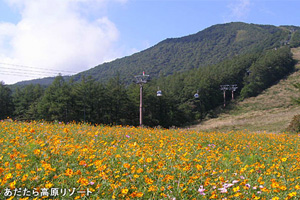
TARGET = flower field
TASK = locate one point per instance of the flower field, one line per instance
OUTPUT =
(80, 161)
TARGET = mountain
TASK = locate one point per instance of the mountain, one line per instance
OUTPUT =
(209, 46)
(247, 56)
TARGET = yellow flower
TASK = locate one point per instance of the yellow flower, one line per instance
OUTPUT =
(213, 196)
(274, 185)
(236, 189)
(148, 160)
(139, 194)
(283, 159)
(124, 191)
(149, 181)
(12, 185)
(83, 181)
(293, 194)
(66, 130)
(24, 178)
(199, 167)
(283, 188)
(275, 198)
(48, 185)
(8, 176)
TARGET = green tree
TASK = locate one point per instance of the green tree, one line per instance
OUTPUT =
(91, 101)
(26, 100)
(6, 108)
(120, 107)
(55, 103)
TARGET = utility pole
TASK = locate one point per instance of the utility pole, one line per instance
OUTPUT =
(224, 88)
(141, 79)
(228, 87)
(233, 89)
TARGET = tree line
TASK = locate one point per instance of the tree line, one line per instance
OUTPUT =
(115, 103)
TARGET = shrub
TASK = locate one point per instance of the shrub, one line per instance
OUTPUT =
(294, 126)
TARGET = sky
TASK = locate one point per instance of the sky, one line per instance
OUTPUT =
(49, 37)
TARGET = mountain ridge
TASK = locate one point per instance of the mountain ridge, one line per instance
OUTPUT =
(209, 46)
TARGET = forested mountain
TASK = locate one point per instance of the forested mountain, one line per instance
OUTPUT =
(114, 103)
(207, 47)
(252, 57)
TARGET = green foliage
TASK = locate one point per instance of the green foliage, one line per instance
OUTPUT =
(6, 103)
(270, 67)
(210, 46)
(55, 103)
(25, 101)
(295, 40)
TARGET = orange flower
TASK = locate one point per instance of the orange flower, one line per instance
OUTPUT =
(126, 165)
(69, 172)
(152, 188)
(140, 170)
(12, 185)
(82, 162)
(18, 166)
(199, 167)
(83, 181)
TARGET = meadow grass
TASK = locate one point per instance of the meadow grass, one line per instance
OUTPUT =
(81, 161)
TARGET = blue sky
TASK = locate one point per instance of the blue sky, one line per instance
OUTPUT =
(46, 37)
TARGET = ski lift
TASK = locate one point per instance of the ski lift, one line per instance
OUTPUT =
(158, 93)
(196, 95)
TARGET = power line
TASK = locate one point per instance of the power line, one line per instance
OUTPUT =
(20, 74)
(7, 69)
(24, 73)
(48, 69)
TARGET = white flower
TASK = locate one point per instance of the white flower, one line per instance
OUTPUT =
(223, 190)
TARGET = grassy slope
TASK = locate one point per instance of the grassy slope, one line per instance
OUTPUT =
(271, 111)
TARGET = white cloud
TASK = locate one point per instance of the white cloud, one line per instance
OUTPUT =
(57, 34)
(239, 9)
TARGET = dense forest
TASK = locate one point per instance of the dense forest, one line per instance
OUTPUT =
(116, 102)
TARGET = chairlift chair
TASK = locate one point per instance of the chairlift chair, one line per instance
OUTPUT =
(196, 95)
(159, 93)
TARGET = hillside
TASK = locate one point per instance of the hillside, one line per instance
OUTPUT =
(270, 111)
(207, 47)
(253, 57)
